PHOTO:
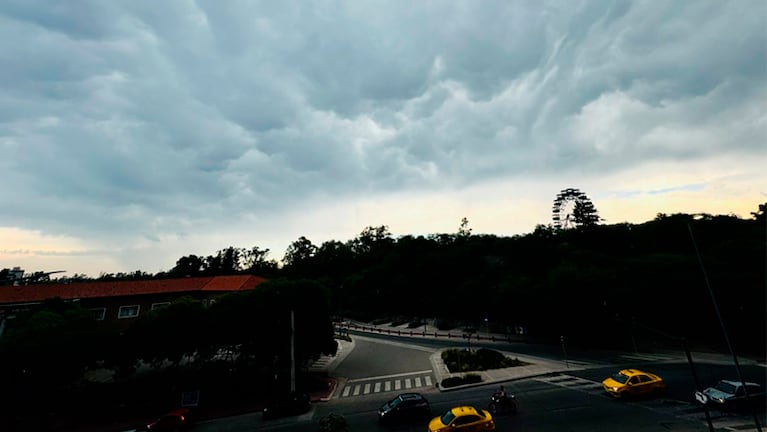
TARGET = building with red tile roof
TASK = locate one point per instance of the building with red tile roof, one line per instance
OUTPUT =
(119, 300)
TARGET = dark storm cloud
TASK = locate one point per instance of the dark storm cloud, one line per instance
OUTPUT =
(154, 118)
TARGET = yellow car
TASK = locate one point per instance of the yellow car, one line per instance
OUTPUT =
(633, 382)
(463, 418)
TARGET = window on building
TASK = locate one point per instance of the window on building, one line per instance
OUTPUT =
(209, 302)
(99, 313)
(128, 311)
(159, 305)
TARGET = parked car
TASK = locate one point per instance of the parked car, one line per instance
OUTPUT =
(463, 418)
(729, 395)
(633, 382)
(292, 404)
(405, 408)
(173, 421)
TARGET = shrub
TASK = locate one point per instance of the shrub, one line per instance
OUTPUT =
(415, 323)
(461, 380)
(443, 324)
(379, 321)
(399, 320)
(333, 422)
(461, 360)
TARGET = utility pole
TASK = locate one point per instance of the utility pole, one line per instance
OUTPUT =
(724, 330)
(292, 352)
(689, 361)
(562, 340)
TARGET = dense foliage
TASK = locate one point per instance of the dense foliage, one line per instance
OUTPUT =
(239, 346)
(619, 286)
(606, 285)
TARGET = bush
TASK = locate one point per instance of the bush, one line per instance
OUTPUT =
(333, 422)
(443, 324)
(343, 336)
(461, 380)
(461, 360)
(415, 323)
(399, 320)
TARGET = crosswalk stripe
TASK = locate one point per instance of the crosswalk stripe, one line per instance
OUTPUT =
(363, 388)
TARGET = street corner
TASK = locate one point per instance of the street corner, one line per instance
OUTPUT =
(325, 390)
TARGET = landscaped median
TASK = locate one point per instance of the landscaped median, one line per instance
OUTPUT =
(459, 368)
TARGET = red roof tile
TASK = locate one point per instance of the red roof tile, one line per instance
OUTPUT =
(80, 290)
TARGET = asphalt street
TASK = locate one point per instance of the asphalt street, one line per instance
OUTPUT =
(568, 397)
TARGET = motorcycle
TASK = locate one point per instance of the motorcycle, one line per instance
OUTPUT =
(502, 404)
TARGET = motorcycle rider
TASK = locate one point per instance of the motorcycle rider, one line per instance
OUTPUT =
(501, 393)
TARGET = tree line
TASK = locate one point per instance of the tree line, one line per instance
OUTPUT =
(606, 286)
(596, 284)
(240, 346)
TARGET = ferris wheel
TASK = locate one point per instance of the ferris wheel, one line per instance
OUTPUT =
(573, 208)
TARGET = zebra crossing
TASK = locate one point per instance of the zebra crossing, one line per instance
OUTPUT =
(679, 409)
(400, 382)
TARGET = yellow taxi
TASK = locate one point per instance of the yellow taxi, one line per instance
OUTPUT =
(633, 382)
(463, 418)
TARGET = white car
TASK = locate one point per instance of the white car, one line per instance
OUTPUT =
(730, 395)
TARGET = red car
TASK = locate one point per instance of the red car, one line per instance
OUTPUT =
(172, 421)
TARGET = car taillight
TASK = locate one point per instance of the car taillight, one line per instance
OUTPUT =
(182, 418)
(490, 424)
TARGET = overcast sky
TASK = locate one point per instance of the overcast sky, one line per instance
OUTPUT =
(137, 132)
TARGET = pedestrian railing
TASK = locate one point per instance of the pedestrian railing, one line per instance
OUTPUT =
(423, 333)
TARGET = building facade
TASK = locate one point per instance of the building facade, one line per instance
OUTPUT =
(121, 302)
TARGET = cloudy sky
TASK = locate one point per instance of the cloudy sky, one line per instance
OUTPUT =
(136, 132)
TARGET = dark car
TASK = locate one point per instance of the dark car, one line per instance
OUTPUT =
(173, 421)
(730, 395)
(292, 404)
(406, 407)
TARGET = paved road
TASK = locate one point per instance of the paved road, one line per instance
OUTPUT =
(546, 404)
(567, 400)
(378, 357)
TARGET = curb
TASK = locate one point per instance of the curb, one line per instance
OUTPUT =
(331, 392)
